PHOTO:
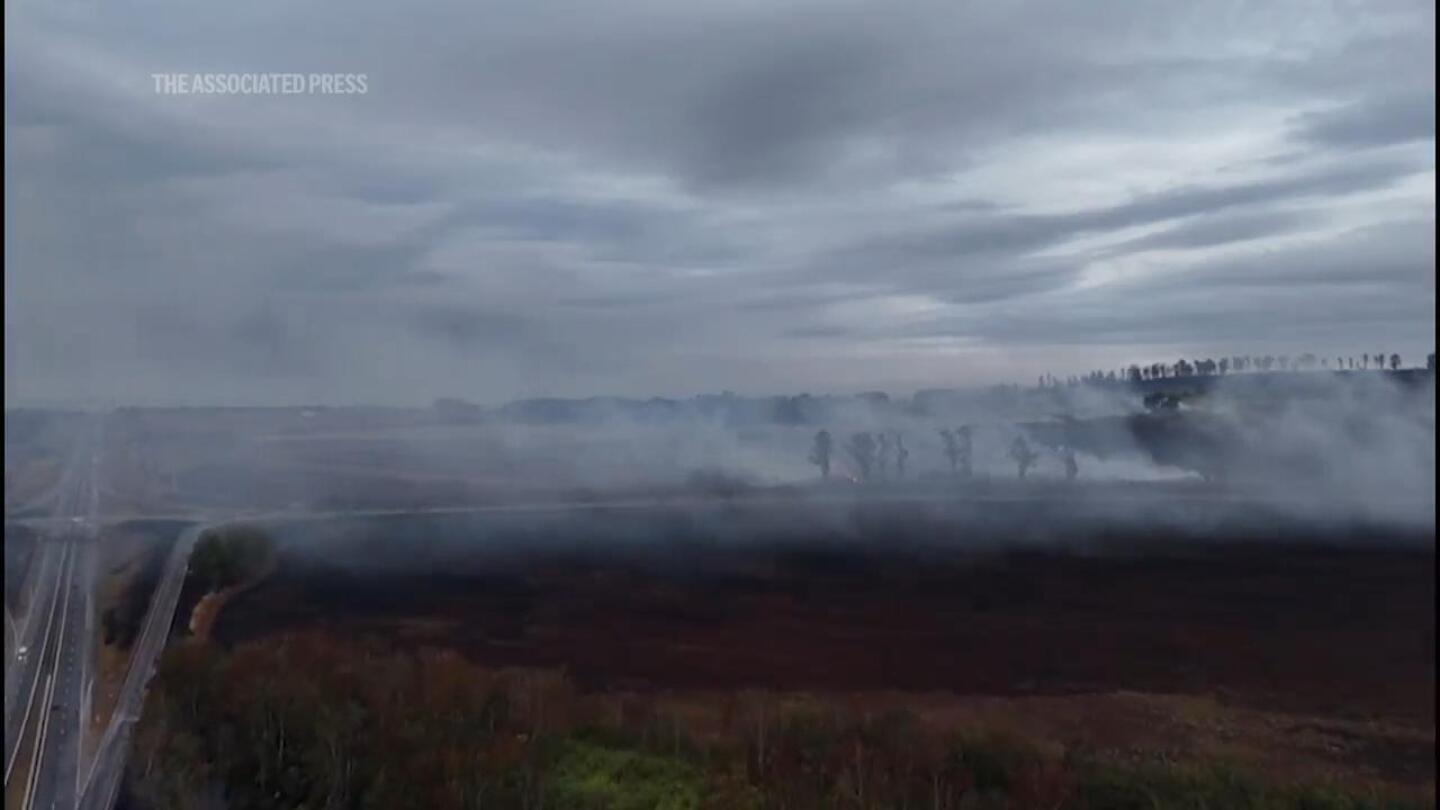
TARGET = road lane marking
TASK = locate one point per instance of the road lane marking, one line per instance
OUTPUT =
(39, 668)
(40, 757)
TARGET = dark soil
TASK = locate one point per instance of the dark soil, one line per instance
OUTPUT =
(1305, 628)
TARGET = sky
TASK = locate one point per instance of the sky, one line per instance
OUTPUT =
(612, 197)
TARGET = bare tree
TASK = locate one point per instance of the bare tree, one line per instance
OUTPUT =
(861, 448)
(901, 455)
(1394, 362)
(820, 453)
(882, 457)
(1022, 454)
(1072, 468)
(962, 439)
(952, 449)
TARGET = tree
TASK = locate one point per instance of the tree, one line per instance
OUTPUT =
(225, 557)
(861, 448)
(820, 453)
(882, 456)
(1224, 365)
(1394, 362)
(1022, 454)
(952, 448)
(901, 455)
(1134, 374)
(1072, 469)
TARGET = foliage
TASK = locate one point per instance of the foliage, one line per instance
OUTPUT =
(587, 775)
(1178, 787)
(315, 723)
(229, 556)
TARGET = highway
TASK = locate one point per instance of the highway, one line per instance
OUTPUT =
(102, 784)
(46, 701)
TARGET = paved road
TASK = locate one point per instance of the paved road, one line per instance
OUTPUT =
(102, 784)
(44, 716)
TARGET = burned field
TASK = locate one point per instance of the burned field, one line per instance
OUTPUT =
(773, 597)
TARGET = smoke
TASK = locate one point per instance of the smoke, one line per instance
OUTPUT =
(1358, 446)
(1325, 450)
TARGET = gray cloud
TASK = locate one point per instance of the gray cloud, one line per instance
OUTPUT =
(630, 199)
(1370, 122)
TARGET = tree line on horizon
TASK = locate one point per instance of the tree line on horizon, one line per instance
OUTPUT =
(1210, 367)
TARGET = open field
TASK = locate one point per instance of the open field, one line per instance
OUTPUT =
(1263, 623)
(1309, 658)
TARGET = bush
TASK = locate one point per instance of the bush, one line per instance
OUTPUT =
(587, 776)
(225, 557)
(307, 721)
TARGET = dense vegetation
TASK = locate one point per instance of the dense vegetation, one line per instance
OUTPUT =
(120, 622)
(229, 556)
(314, 723)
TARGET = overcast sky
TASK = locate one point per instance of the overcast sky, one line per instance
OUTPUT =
(574, 198)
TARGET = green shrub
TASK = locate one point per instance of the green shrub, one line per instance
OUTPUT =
(587, 776)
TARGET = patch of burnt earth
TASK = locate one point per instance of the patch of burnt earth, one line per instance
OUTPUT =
(1320, 629)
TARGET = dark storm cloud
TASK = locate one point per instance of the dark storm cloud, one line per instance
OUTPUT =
(620, 197)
